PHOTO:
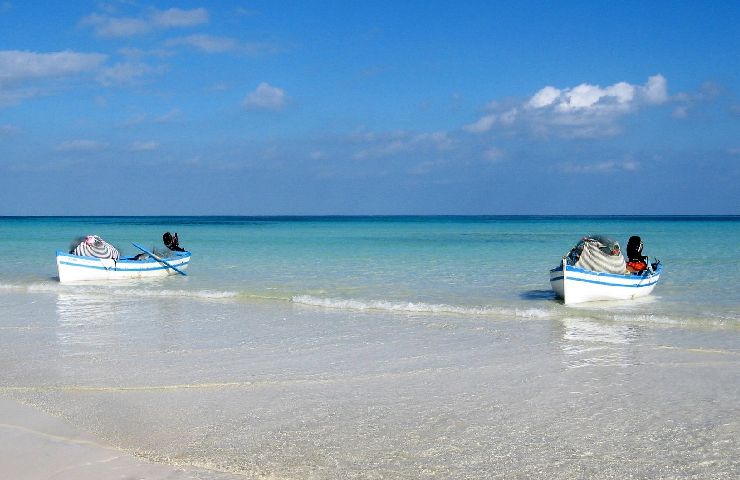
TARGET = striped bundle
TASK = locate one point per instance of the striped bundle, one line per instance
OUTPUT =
(593, 257)
(94, 246)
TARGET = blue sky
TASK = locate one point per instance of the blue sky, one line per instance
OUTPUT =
(340, 107)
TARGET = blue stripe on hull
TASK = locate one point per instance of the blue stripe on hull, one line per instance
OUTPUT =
(116, 269)
(586, 280)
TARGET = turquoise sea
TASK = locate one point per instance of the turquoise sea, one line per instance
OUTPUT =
(383, 347)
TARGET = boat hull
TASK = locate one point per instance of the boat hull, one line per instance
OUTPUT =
(577, 285)
(75, 268)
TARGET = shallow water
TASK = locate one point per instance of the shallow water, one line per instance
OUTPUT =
(383, 348)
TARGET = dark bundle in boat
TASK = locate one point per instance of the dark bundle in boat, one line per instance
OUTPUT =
(172, 242)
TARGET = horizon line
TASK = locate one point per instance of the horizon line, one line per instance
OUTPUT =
(392, 215)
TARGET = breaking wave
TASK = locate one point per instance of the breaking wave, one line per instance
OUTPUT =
(117, 291)
(204, 294)
(417, 307)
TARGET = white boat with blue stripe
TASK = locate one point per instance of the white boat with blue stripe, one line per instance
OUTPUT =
(577, 285)
(77, 268)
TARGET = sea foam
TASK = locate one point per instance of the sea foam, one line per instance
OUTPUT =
(116, 290)
(417, 307)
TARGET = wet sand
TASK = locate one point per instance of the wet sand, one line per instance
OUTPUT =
(36, 445)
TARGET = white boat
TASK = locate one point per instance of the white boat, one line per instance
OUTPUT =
(75, 268)
(577, 285)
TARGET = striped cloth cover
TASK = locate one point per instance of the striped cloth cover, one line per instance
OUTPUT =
(94, 246)
(594, 259)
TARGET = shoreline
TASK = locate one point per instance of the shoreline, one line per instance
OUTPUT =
(38, 445)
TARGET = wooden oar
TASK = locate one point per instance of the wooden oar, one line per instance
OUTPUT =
(159, 259)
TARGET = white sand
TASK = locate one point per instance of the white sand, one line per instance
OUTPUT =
(36, 446)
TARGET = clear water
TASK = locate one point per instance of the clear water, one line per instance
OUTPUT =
(384, 347)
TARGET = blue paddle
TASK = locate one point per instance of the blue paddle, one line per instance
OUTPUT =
(159, 259)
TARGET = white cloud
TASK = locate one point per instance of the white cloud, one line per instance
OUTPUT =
(22, 65)
(25, 74)
(592, 99)
(585, 97)
(109, 26)
(582, 111)
(265, 97)
(483, 124)
(656, 90)
(80, 146)
(544, 97)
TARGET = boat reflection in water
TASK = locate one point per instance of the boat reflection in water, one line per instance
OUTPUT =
(593, 342)
(86, 324)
